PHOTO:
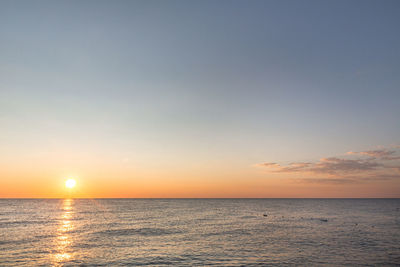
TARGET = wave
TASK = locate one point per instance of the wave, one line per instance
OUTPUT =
(139, 231)
(248, 217)
(7, 224)
(235, 232)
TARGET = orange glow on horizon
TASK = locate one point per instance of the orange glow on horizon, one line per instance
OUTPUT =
(189, 182)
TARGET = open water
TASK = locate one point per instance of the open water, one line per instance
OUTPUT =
(197, 232)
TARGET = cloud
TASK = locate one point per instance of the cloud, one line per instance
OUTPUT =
(337, 166)
(378, 165)
(327, 181)
(379, 154)
(331, 165)
(268, 165)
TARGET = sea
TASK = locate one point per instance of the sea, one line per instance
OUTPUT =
(200, 232)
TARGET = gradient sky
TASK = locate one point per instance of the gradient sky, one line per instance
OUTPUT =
(200, 98)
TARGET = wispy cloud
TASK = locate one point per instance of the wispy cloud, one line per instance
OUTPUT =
(331, 165)
(327, 181)
(379, 154)
(354, 167)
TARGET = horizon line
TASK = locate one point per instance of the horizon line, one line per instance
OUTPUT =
(183, 198)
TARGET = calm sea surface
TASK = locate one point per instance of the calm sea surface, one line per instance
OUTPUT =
(187, 232)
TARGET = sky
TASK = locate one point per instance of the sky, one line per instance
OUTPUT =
(200, 98)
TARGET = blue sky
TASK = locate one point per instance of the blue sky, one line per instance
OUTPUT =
(237, 82)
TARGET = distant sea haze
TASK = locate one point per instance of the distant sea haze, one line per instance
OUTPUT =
(197, 232)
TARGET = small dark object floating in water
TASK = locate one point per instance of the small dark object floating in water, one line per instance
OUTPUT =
(265, 215)
(323, 220)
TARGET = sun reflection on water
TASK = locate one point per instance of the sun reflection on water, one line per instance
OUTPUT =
(64, 239)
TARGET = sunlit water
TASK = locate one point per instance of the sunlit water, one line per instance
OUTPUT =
(189, 232)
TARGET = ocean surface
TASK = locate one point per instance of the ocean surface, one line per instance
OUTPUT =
(197, 232)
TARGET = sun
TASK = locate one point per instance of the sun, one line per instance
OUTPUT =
(70, 183)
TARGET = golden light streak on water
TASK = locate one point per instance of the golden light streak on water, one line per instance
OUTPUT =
(64, 240)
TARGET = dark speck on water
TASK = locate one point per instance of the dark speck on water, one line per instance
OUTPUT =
(198, 232)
